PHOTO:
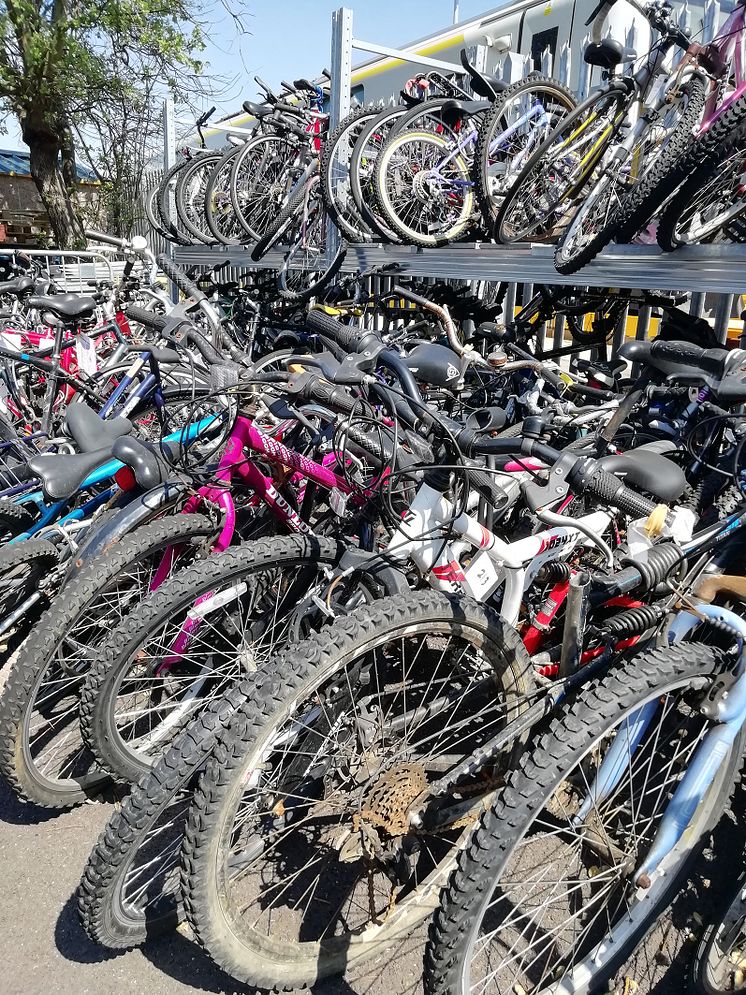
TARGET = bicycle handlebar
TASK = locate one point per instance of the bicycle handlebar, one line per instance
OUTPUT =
(144, 317)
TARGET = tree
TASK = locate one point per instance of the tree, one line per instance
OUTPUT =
(67, 63)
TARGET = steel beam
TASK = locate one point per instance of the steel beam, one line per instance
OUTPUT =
(717, 269)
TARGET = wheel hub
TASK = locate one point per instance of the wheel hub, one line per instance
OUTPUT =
(386, 803)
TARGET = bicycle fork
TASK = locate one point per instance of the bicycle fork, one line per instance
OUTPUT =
(728, 709)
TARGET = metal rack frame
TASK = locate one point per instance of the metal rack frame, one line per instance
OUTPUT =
(717, 269)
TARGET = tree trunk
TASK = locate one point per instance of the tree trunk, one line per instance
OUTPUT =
(45, 170)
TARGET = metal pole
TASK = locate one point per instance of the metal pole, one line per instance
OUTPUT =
(169, 159)
(339, 106)
(455, 11)
(722, 316)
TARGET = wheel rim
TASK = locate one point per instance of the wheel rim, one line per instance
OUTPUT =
(550, 947)
(320, 886)
(719, 200)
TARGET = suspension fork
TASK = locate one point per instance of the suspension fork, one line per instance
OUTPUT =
(730, 713)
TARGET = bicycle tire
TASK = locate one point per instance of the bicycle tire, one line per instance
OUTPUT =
(492, 121)
(155, 808)
(362, 193)
(703, 163)
(279, 962)
(199, 164)
(282, 221)
(714, 970)
(550, 201)
(36, 659)
(163, 203)
(314, 288)
(634, 211)
(393, 219)
(347, 218)
(541, 772)
(254, 213)
(223, 224)
(104, 681)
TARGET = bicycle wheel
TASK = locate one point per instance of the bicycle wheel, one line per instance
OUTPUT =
(299, 857)
(719, 965)
(335, 176)
(520, 119)
(603, 209)
(539, 203)
(423, 188)
(362, 166)
(130, 889)
(219, 213)
(191, 188)
(545, 897)
(41, 753)
(165, 204)
(290, 214)
(193, 640)
(712, 196)
(27, 583)
(151, 211)
(259, 182)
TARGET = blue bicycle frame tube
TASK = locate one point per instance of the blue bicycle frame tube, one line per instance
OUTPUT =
(105, 472)
(711, 753)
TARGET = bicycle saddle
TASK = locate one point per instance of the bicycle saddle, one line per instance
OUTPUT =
(90, 432)
(648, 470)
(455, 106)
(435, 364)
(16, 287)
(482, 84)
(258, 110)
(148, 465)
(61, 475)
(67, 306)
(606, 53)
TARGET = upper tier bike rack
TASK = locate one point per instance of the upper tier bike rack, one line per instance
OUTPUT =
(719, 269)
(704, 268)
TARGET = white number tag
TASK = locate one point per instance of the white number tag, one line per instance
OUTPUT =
(86, 353)
(481, 576)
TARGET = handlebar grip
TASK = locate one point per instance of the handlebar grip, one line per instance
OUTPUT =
(203, 347)
(180, 278)
(147, 318)
(688, 354)
(98, 236)
(488, 487)
(347, 336)
(609, 489)
(375, 446)
(337, 398)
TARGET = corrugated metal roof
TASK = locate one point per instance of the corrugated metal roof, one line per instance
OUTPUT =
(14, 163)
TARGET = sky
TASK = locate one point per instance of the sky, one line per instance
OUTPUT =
(290, 39)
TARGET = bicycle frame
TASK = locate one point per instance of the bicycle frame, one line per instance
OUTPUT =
(513, 564)
(729, 48)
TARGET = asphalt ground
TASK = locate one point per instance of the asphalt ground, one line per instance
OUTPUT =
(44, 950)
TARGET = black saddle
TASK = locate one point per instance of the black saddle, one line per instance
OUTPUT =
(146, 462)
(648, 470)
(21, 285)
(606, 53)
(61, 476)
(457, 108)
(90, 432)
(69, 307)
(257, 110)
(482, 84)
(435, 364)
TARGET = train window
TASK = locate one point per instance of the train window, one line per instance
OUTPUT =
(541, 41)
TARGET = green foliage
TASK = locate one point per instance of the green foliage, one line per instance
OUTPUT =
(68, 66)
